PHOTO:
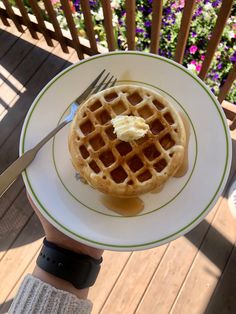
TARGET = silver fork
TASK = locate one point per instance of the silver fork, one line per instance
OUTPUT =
(15, 169)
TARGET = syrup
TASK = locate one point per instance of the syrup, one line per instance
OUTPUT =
(123, 206)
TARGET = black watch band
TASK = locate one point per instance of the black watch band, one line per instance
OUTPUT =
(80, 270)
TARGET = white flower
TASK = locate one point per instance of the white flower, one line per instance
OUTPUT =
(231, 34)
(207, 6)
(115, 4)
(114, 20)
(192, 67)
(99, 15)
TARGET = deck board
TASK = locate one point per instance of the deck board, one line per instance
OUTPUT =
(8, 41)
(173, 270)
(13, 221)
(22, 251)
(131, 285)
(192, 274)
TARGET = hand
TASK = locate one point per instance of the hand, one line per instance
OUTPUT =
(55, 236)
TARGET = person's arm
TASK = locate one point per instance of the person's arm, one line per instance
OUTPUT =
(43, 292)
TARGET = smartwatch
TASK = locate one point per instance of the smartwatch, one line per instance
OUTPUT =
(80, 270)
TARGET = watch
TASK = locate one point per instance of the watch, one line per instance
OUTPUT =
(80, 270)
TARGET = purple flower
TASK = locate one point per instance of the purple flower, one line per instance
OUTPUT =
(219, 66)
(147, 23)
(92, 3)
(139, 30)
(141, 8)
(198, 12)
(215, 77)
(213, 90)
(216, 3)
(168, 37)
(161, 52)
(193, 34)
(165, 23)
(167, 11)
(233, 57)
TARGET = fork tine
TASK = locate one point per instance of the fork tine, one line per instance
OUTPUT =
(113, 83)
(101, 84)
(107, 84)
(87, 91)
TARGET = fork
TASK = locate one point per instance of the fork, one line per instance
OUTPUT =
(15, 169)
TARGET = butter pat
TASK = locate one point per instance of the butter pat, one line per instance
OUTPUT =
(129, 128)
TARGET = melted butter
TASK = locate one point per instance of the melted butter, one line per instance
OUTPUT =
(123, 206)
(184, 167)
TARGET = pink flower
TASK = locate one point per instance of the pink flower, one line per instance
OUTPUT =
(55, 1)
(202, 57)
(193, 49)
(198, 67)
(178, 4)
(193, 62)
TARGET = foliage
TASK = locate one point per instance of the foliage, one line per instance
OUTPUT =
(203, 21)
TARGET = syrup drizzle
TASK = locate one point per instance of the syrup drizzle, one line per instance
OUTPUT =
(123, 206)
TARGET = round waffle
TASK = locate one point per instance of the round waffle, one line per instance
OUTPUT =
(126, 169)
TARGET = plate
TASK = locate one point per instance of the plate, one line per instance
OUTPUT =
(75, 208)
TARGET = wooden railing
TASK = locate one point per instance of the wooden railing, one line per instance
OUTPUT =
(52, 30)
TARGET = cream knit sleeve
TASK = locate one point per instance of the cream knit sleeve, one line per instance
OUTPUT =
(37, 297)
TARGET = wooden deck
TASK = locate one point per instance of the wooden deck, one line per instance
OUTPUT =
(193, 274)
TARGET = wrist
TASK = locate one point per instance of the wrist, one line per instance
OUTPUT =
(72, 245)
(59, 283)
(63, 265)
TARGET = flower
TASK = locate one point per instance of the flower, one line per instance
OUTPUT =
(147, 23)
(191, 67)
(139, 30)
(216, 3)
(115, 4)
(233, 57)
(198, 67)
(193, 49)
(202, 57)
(178, 4)
(207, 6)
(99, 15)
(232, 34)
(72, 7)
(167, 11)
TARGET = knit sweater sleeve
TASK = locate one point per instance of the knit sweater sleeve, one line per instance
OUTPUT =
(36, 296)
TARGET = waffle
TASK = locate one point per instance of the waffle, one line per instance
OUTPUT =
(126, 169)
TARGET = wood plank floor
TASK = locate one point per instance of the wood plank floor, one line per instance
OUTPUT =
(193, 274)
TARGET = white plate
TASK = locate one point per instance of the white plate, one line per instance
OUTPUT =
(75, 208)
